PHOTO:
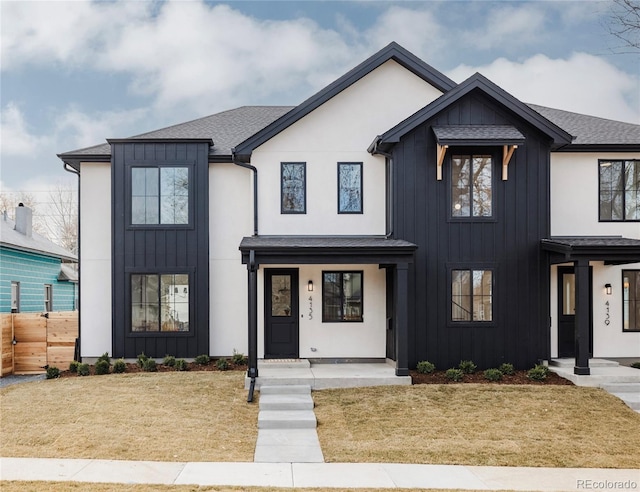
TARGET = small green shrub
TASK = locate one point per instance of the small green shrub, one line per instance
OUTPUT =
(181, 365)
(222, 364)
(238, 358)
(73, 366)
(507, 369)
(467, 366)
(141, 360)
(636, 365)
(53, 372)
(454, 374)
(202, 360)
(119, 366)
(101, 367)
(169, 361)
(149, 365)
(425, 367)
(105, 357)
(538, 373)
(83, 369)
(493, 374)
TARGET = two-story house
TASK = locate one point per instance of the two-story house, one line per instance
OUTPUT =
(393, 215)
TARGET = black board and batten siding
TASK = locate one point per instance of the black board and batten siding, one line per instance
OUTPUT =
(509, 244)
(160, 249)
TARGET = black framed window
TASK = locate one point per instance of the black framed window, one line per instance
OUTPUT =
(160, 302)
(342, 296)
(471, 295)
(471, 185)
(619, 186)
(159, 195)
(293, 187)
(630, 300)
(349, 187)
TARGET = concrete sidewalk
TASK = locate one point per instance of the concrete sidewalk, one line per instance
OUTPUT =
(334, 475)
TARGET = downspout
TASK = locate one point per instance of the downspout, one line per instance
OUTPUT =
(77, 351)
(255, 188)
(375, 150)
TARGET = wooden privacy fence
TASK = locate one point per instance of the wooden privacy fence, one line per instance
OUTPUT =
(31, 341)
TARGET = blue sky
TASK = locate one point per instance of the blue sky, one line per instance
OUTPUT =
(75, 73)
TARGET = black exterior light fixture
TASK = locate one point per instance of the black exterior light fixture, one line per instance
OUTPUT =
(608, 289)
(310, 286)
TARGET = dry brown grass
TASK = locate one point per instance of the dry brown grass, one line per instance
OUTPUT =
(555, 426)
(178, 416)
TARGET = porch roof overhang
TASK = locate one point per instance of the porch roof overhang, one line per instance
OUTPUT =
(478, 135)
(610, 249)
(326, 249)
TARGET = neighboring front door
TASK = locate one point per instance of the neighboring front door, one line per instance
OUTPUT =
(281, 326)
(567, 312)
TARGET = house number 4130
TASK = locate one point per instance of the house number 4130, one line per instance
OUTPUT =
(606, 314)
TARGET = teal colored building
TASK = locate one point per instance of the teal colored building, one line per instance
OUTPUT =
(36, 275)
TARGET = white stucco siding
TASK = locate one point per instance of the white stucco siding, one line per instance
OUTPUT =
(339, 131)
(95, 258)
(335, 340)
(575, 200)
(230, 219)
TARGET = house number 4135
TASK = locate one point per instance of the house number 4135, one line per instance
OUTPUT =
(606, 314)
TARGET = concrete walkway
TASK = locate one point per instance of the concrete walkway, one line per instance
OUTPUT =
(333, 475)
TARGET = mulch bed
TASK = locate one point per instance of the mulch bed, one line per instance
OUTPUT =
(520, 377)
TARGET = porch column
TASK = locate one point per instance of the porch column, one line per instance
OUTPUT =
(252, 270)
(581, 269)
(402, 319)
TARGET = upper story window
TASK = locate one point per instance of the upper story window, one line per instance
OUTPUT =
(471, 295)
(471, 185)
(341, 296)
(159, 302)
(293, 185)
(349, 187)
(159, 195)
(619, 190)
(630, 300)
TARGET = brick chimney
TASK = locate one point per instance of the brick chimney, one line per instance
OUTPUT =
(23, 219)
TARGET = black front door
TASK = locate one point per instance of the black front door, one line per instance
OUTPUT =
(281, 327)
(567, 312)
(391, 332)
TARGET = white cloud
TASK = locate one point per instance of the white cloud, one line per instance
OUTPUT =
(16, 138)
(581, 83)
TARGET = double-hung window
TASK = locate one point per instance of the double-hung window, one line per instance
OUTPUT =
(619, 190)
(471, 185)
(341, 296)
(160, 195)
(293, 186)
(630, 300)
(160, 302)
(471, 295)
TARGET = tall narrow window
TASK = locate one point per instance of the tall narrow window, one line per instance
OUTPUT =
(619, 190)
(48, 297)
(341, 296)
(631, 300)
(159, 303)
(471, 186)
(15, 297)
(350, 187)
(471, 295)
(159, 195)
(293, 187)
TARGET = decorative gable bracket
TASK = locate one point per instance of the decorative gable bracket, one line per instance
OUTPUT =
(442, 150)
(507, 152)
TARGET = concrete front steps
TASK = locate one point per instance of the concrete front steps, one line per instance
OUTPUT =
(621, 381)
(287, 426)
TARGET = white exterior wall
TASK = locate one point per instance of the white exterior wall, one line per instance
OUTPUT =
(574, 212)
(230, 219)
(335, 340)
(95, 258)
(339, 131)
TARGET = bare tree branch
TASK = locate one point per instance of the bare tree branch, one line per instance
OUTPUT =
(624, 24)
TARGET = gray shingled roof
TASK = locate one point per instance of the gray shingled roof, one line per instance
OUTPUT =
(226, 129)
(591, 130)
(593, 242)
(261, 243)
(478, 133)
(13, 239)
